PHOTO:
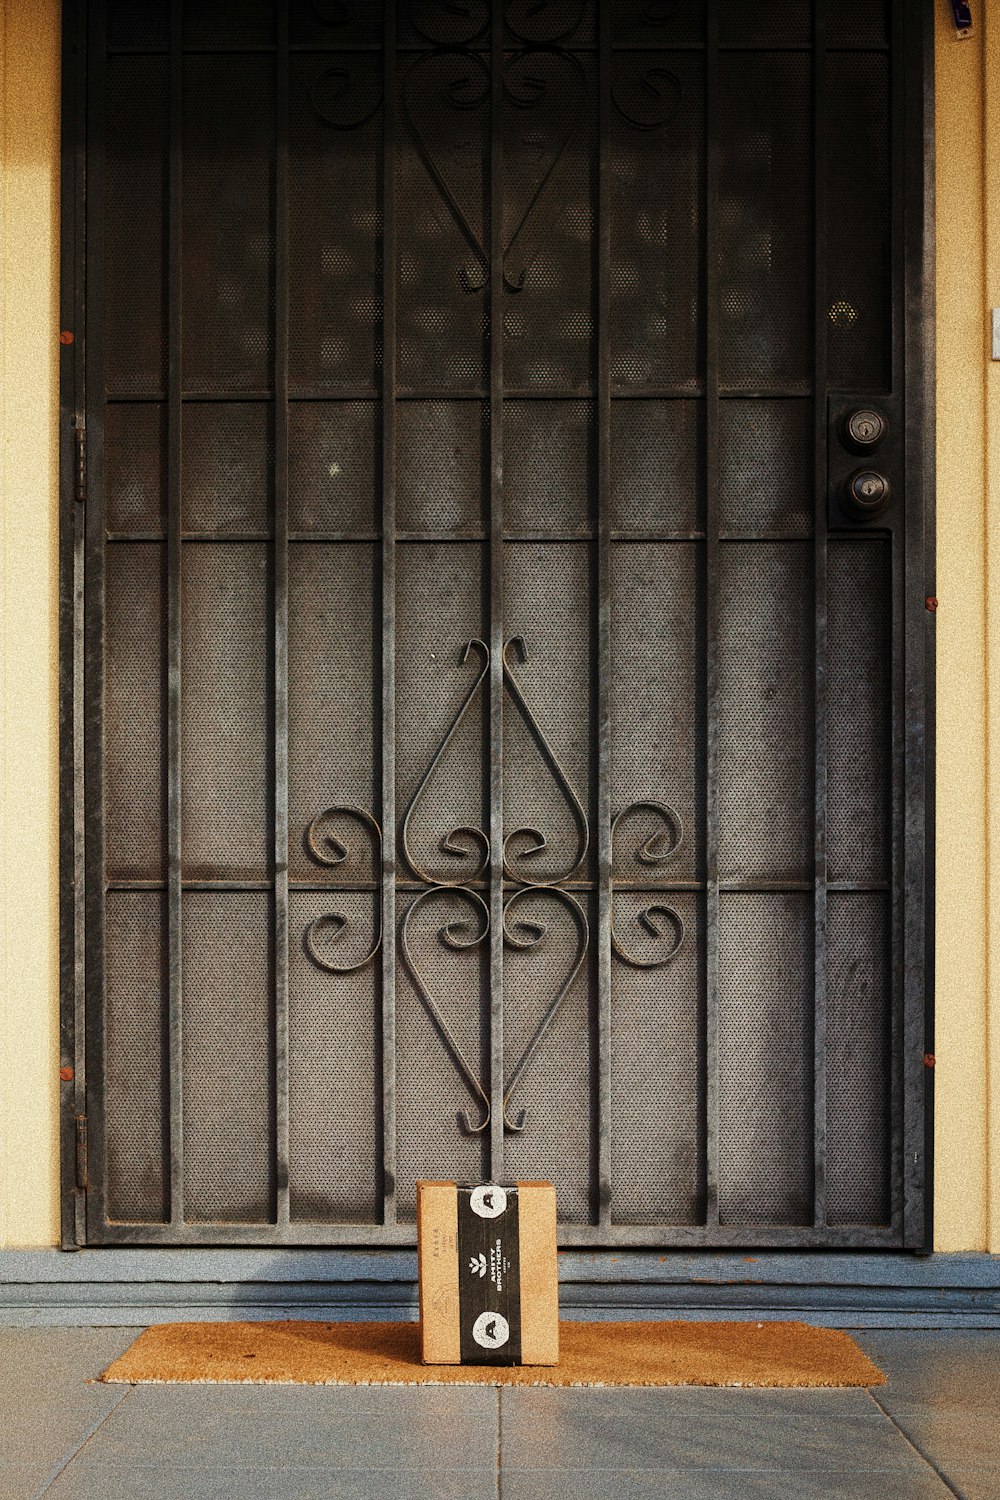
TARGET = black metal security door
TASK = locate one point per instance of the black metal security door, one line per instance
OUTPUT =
(496, 670)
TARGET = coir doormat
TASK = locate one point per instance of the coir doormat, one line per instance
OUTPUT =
(591, 1354)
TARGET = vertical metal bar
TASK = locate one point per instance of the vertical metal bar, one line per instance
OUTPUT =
(604, 766)
(497, 1060)
(912, 158)
(900, 715)
(75, 1224)
(820, 607)
(281, 1037)
(174, 425)
(915, 49)
(711, 614)
(389, 613)
(91, 1101)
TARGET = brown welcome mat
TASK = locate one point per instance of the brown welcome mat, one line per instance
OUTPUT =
(294, 1353)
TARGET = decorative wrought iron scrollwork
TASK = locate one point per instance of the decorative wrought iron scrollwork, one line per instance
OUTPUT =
(543, 83)
(540, 21)
(457, 82)
(347, 94)
(530, 87)
(523, 931)
(532, 840)
(449, 23)
(327, 849)
(660, 846)
(658, 920)
(455, 841)
(646, 96)
(525, 936)
(340, 14)
(659, 12)
(456, 936)
(458, 23)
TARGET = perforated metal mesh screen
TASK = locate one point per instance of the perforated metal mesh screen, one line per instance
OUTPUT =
(498, 715)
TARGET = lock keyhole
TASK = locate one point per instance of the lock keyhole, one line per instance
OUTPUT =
(863, 429)
(867, 493)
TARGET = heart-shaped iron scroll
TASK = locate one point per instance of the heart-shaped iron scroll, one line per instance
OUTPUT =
(526, 935)
(522, 934)
(460, 937)
(526, 843)
(447, 96)
(457, 841)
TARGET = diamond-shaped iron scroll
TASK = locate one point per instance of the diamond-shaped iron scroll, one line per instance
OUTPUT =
(328, 844)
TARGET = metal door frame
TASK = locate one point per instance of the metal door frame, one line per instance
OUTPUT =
(81, 838)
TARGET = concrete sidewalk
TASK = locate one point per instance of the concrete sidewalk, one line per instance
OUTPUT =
(933, 1431)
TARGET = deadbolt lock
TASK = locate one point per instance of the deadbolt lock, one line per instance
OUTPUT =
(864, 459)
(867, 493)
(863, 429)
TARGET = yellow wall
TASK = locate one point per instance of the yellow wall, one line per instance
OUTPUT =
(967, 1146)
(961, 1139)
(991, 404)
(29, 330)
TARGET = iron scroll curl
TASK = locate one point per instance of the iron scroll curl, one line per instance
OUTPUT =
(327, 849)
(658, 920)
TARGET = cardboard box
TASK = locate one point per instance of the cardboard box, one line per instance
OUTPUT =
(489, 1291)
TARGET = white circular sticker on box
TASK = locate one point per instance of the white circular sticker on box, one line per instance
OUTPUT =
(488, 1201)
(491, 1330)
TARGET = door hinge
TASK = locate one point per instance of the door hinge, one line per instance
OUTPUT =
(81, 460)
(81, 1153)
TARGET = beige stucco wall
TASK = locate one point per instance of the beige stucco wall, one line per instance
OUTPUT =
(991, 404)
(967, 1147)
(961, 1136)
(29, 397)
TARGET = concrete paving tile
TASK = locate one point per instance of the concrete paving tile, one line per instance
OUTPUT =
(423, 1427)
(46, 1416)
(20, 1481)
(975, 1484)
(720, 1484)
(28, 1354)
(668, 1429)
(950, 1437)
(941, 1368)
(89, 1480)
(944, 1393)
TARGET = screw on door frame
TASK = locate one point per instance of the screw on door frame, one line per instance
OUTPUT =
(930, 603)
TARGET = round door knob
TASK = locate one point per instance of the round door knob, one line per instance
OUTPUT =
(867, 493)
(863, 429)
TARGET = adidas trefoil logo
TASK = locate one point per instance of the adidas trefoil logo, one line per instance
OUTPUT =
(477, 1265)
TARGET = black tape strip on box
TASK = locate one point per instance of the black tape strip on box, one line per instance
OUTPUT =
(489, 1275)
